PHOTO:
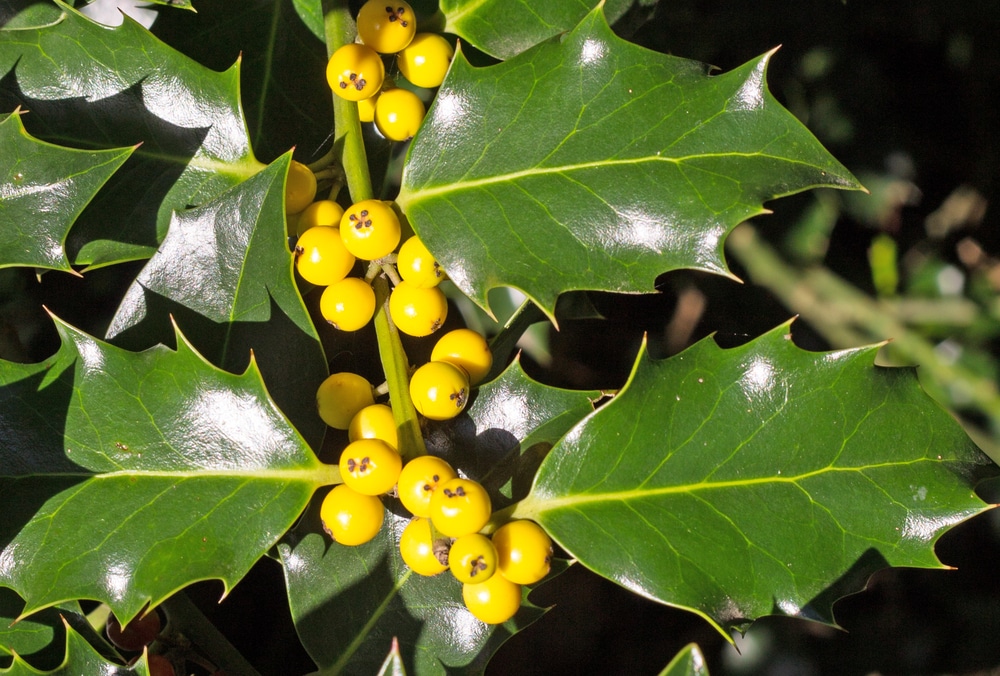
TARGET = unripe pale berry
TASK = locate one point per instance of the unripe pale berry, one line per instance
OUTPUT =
(341, 396)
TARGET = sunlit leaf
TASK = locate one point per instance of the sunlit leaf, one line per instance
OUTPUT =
(760, 479)
(588, 162)
(43, 188)
(79, 658)
(505, 28)
(125, 476)
(224, 275)
(88, 85)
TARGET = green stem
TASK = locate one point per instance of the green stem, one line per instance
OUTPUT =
(848, 317)
(348, 142)
(397, 377)
(340, 30)
(186, 619)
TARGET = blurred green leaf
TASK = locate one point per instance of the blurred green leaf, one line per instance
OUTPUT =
(126, 476)
(592, 163)
(125, 87)
(223, 274)
(505, 28)
(760, 479)
(43, 189)
(348, 603)
(688, 662)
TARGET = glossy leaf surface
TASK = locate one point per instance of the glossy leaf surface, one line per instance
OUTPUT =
(591, 163)
(505, 28)
(80, 658)
(125, 88)
(43, 188)
(349, 602)
(756, 480)
(224, 275)
(126, 476)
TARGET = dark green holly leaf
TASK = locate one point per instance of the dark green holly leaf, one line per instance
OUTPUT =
(756, 480)
(282, 68)
(591, 163)
(125, 476)
(125, 88)
(505, 28)
(224, 275)
(19, 14)
(43, 188)
(350, 602)
(40, 640)
(80, 658)
(688, 662)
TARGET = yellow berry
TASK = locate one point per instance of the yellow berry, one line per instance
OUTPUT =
(459, 507)
(415, 311)
(355, 72)
(418, 481)
(370, 466)
(348, 304)
(467, 349)
(419, 550)
(425, 61)
(386, 27)
(370, 229)
(494, 601)
(350, 517)
(472, 558)
(320, 213)
(417, 265)
(300, 187)
(439, 390)
(374, 422)
(398, 114)
(524, 551)
(321, 257)
(341, 396)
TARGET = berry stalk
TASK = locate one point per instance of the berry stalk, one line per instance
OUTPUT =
(340, 30)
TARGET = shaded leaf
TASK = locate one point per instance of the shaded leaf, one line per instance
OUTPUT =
(349, 603)
(505, 28)
(760, 479)
(126, 476)
(126, 87)
(43, 189)
(592, 163)
(80, 658)
(283, 85)
(224, 274)
(688, 662)
(40, 639)
(20, 14)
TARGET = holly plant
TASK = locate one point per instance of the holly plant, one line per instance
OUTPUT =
(319, 207)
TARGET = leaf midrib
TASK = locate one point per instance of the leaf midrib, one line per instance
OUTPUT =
(407, 197)
(536, 504)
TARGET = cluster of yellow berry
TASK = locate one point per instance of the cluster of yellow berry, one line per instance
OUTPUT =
(356, 71)
(450, 513)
